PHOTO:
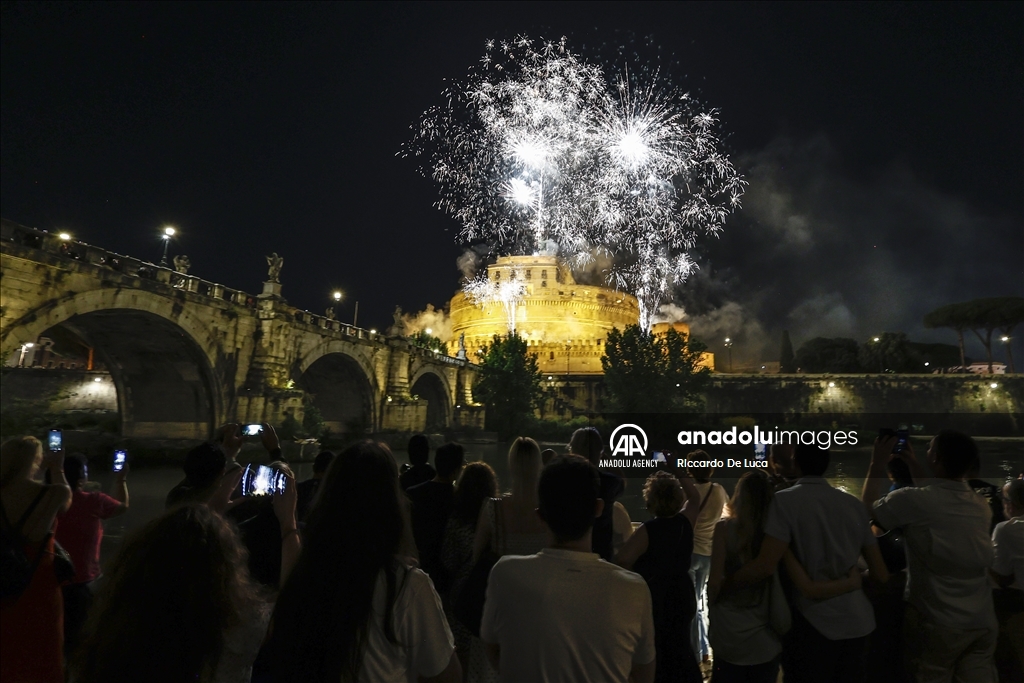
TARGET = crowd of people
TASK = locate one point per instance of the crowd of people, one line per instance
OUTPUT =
(367, 572)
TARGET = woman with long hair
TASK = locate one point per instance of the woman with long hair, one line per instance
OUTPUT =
(352, 609)
(744, 634)
(32, 614)
(177, 605)
(509, 525)
(476, 484)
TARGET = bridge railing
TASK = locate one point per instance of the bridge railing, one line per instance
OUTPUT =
(127, 265)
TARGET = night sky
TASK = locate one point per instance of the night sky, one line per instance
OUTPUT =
(884, 145)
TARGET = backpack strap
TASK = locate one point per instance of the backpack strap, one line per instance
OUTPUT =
(707, 497)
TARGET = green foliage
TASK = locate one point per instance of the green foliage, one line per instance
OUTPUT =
(312, 420)
(646, 373)
(983, 317)
(509, 385)
(426, 341)
(787, 362)
(21, 417)
(891, 353)
(828, 355)
(937, 355)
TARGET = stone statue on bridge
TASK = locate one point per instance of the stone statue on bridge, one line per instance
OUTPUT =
(275, 263)
(329, 313)
(182, 263)
(461, 355)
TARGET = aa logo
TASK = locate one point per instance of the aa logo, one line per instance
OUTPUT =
(628, 440)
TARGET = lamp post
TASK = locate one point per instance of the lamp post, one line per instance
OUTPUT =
(166, 237)
(1006, 339)
(881, 358)
(728, 345)
(332, 310)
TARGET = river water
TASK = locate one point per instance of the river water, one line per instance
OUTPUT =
(148, 486)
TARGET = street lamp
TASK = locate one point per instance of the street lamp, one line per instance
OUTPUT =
(166, 237)
(728, 345)
(65, 236)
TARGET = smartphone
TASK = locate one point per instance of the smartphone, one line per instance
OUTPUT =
(760, 451)
(261, 480)
(902, 440)
(56, 440)
(251, 430)
(659, 457)
(120, 458)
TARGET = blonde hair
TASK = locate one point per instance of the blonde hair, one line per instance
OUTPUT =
(524, 465)
(663, 494)
(19, 456)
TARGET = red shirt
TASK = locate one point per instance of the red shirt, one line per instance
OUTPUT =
(80, 530)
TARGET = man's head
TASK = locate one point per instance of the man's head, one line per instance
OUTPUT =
(701, 474)
(810, 460)
(951, 454)
(419, 449)
(448, 460)
(322, 462)
(204, 466)
(76, 470)
(568, 497)
(586, 443)
(780, 458)
(1013, 498)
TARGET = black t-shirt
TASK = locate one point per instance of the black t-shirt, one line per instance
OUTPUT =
(432, 504)
(417, 474)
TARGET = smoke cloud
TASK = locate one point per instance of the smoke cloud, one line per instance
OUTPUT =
(435, 320)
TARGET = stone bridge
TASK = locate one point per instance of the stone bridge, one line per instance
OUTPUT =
(186, 355)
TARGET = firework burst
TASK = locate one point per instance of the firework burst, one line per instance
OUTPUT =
(507, 293)
(538, 151)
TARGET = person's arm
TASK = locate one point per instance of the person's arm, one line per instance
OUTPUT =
(120, 492)
(230, 439)
(820, 590)
(761, 567)
(878, 477)
(268, 437)
(691, 507)
(877, 571)
(221, 501)
(451, 674)
(482, 539)
(716, 575)
(642, 673)
(633, 548)
(291, 544)
(60, 490)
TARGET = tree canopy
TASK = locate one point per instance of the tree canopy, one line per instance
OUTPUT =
(828, 355)
(649, 373)
(983, 317)
(509, 384)
(891, 353)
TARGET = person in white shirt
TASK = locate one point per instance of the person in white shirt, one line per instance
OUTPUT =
(828, 531)
(353, 609)
(564, 613)
(949, 628)
(1008, 573)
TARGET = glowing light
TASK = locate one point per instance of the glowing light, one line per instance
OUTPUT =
(875, 339)
(1004, 339)
(29, 345)
(994, 385)
(539, 151)
(169, 232)
(507, 293)
(926, 363)
(64, 236)
(373, 331)
(336, 295)
(831, 385)
(428, 331)
(97, 379)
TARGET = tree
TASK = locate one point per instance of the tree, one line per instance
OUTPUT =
(828, 355)
(890, 352)
(509, 384)
(983, 317)
(648, 373)
(428, 341)
(787, 362)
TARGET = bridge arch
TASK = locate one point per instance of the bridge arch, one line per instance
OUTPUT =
(160, 355)
(434, 388)
(339, 378)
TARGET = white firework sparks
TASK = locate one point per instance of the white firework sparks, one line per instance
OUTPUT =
(536, 153)
(507, 293)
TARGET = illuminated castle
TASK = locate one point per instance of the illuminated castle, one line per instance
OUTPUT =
(563, 322)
